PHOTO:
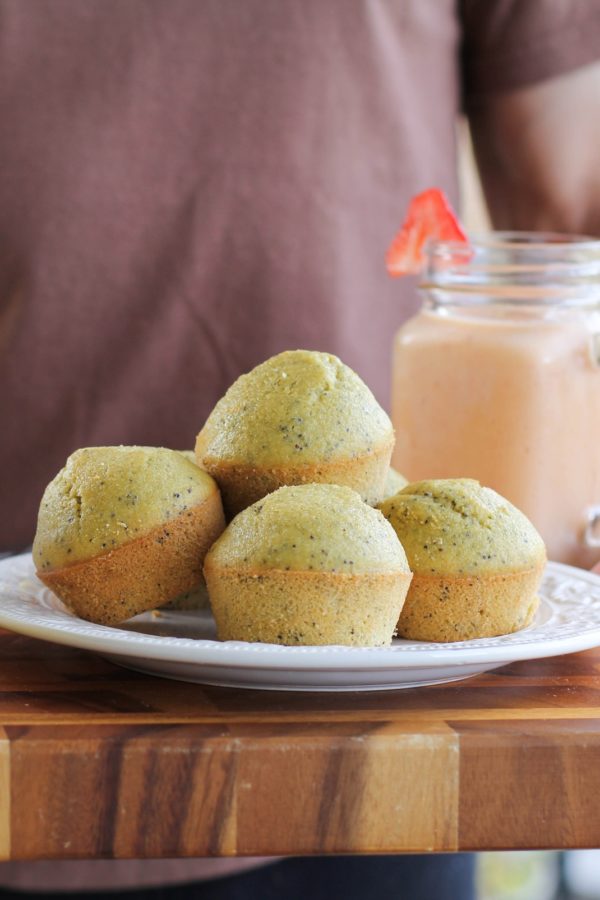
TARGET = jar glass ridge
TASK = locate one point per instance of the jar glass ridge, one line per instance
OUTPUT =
(545, 269)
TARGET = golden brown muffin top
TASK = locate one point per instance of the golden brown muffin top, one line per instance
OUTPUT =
(299, 407)
(107, 496)
(311, 527)
(455, 527)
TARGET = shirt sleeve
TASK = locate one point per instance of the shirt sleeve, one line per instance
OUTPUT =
(508, 44)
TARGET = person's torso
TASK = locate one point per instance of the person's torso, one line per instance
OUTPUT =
(187, 188)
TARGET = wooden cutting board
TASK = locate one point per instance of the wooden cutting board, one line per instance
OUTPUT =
(97, 761)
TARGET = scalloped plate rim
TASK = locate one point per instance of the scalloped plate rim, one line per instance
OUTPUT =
(63, 628)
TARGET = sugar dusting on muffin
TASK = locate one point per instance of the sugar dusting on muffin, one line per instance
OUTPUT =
(310, 564)
(476, 560)
(105, 497)
(456, 526)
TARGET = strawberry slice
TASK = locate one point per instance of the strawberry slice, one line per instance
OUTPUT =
(429, 216)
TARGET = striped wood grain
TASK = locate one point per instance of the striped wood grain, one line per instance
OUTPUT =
(103, 762)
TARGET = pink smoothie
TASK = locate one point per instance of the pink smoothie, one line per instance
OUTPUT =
(511, 400)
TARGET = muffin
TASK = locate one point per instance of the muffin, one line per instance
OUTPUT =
(394, 482)
(300, 417)
(122, 530)
(476, 560)
(197, 598)
(310, 564)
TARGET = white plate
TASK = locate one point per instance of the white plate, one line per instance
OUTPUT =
(182, 645)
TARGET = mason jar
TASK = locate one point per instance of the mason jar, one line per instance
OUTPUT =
(498, 378)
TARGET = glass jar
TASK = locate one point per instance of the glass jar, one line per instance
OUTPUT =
(498, 378)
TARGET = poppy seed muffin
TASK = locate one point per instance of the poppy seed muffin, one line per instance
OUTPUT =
(476, 560)
(197, 598)
(300, 417)
(394, 482)
(310, 564)
(122, 530)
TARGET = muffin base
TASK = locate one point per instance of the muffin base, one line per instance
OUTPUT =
(144, 573)
(458, 608)
(242, 485)
(197, 598)
(306, 608)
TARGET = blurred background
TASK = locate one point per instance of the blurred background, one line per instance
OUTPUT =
(521, 875)
(474, 211)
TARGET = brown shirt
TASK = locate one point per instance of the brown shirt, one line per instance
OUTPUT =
(188, 187)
